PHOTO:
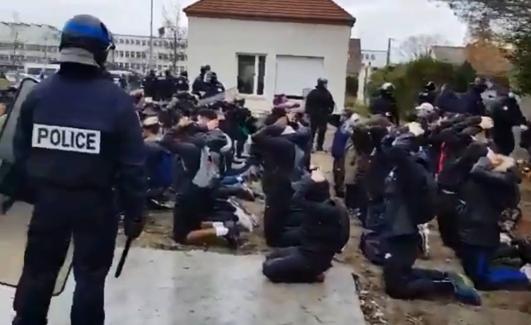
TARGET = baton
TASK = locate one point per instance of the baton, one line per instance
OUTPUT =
(123, 257)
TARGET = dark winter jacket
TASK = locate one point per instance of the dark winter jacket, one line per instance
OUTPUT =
(506, 114)
(199, 85)
(409, 195)
(449, 102)
(323, 225)
(278, 156)
(473, 102)
(319, 103)
(484, 195)
(385, 105)
(427, 97)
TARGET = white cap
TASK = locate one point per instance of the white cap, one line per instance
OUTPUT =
(425, 107)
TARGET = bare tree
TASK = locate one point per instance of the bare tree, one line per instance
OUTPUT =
(418, 46)
(171, 13)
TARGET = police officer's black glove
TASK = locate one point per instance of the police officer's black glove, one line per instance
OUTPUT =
(133, 228)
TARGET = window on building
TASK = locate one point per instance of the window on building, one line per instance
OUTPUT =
(373, 57)
(160, 67)
(251, 74)
(138, 55)
(126, 65)
(143, 55)
(126, 54)
(137, 42)
(126, 41)
(144, 43)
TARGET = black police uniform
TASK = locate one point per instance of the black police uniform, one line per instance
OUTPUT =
(506, 114)
(319, 106)
(78, 137)
(182, 84)
(385, 105)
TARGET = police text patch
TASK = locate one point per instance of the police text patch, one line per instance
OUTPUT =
(66, 139)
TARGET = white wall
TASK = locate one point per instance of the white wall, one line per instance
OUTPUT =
(218, 41)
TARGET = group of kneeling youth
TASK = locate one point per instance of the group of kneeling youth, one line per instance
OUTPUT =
(399, 178)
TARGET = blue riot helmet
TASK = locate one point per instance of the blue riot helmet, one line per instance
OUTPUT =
(85, 40)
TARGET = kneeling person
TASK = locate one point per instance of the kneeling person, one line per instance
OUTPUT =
(324, 232)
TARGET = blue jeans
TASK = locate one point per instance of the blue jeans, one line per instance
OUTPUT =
(477, 262)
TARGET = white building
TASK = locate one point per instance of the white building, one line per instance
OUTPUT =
(374, 58)
(132, 53)
(21, 43)
(271, 47)
(34, 43)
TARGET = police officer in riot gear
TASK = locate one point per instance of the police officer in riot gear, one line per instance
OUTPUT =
(77, 139)
(213, 86)
(199, 86)
(319, 106)
(385, 104)
(428, 94)
(181, 83)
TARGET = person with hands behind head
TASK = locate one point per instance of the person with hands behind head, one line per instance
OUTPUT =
(324, 232)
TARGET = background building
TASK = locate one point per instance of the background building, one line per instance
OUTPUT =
(354, 57)
(374, 58)
(28, 43)
(132, 53)
(35, 43)
(264, 48)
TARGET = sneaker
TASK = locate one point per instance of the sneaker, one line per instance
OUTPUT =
(464, 290)
(233, 237)
(526, 269)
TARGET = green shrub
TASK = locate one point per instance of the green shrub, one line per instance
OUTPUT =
(409, 78)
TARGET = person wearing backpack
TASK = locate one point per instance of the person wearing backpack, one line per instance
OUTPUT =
(410, 200)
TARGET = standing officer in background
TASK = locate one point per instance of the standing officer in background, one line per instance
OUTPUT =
(385, 104)
(181, 83)
(319, 106)
(77, 138)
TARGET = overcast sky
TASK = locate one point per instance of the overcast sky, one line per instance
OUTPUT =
(377, 20)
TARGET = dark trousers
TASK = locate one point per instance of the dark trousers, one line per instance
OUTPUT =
(59, 215)
(318, 126)
(290, 265)
(339, 176)
(477, 262)
(402, 281)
